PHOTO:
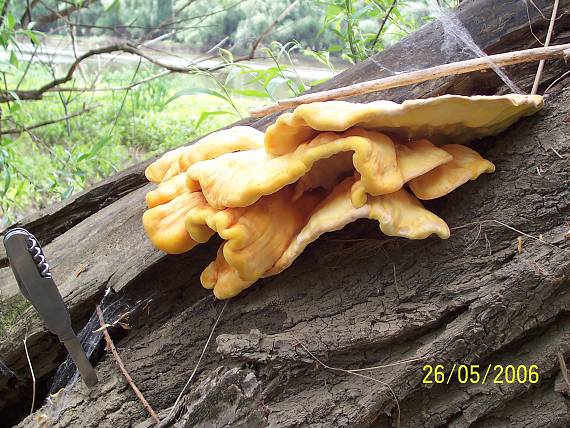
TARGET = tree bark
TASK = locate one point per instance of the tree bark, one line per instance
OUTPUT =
(354, 299)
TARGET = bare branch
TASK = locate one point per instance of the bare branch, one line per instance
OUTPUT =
(546, 43)
(409, 78)
(37, 94)
(27, 17)
(56, 15)
(270, 28)
(121, 365)
(45, 123)
(383, 24)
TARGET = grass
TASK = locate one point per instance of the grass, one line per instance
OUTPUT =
(50, 163)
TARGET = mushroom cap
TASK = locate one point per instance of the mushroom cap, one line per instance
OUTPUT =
(443, 119)
(165, 224)
(398, 214)
(256, 236)
(316, 170)
(211, 146)
(240, 179)
(222, 278)
(466, 165)
(168, 190)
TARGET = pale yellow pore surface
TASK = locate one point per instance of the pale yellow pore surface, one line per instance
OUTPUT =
(466, 165)
(444, 119)
(211, 146)
(239, 179)
(398, 213)
(165, 224)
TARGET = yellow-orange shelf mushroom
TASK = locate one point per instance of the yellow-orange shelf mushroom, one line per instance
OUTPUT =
(316, 170)
(444, 119)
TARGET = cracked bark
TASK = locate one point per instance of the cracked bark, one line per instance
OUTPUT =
(471, 299)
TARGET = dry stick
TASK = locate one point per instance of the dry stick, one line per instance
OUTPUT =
(111, 346)
(32, 372)
(564, 369)
(409, 78)
(199, 360)
(546, 43)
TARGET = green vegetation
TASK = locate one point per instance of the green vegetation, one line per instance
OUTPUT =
(112, 123)
(121, 128)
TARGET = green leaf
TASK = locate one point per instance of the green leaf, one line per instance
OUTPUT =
(11, 21)
(14, 59)
(14, 107)
(232, 74)
(206, 114)
(67, 193)
(7, 180)
(20, 188)
(274, 85)
(195, 91)
(110, 4)
(96, 149)
(6, 67)
(226, 55)
(251, 93)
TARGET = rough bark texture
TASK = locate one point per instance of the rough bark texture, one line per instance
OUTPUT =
(354, 298)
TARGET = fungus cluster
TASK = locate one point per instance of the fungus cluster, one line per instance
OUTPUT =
(269, 195)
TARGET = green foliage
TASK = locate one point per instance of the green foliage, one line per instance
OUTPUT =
(124, 126)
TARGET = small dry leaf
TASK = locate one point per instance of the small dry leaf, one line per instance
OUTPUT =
(125, 325)
(81, 269)
(519, 244)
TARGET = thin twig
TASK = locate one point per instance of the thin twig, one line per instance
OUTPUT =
(355, 372)
(36, 94)
(409, 78)
(32, 372)
(556, 152)
(546, 43)
(199, 360)
(268, 30)
(556, 81)
(383, 24)
(111, 346)
(564, 369)
(56, 15)
(45, 123)
(511, 228)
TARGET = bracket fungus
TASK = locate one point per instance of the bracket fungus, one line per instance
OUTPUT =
(316, 170)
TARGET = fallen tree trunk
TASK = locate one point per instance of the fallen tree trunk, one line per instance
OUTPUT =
(353, 299)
